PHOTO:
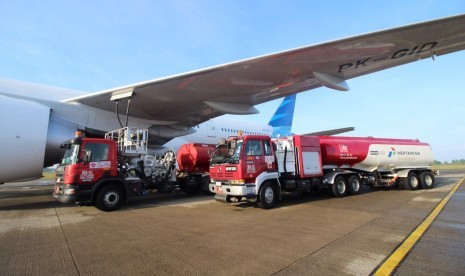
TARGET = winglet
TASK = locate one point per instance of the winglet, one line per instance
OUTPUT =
(282, 118)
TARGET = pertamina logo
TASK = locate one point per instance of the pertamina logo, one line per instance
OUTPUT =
(403, 153)
(392, 152)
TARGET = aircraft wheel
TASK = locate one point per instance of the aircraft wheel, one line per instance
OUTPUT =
(427, 180)
(339, 187)
(354, 185)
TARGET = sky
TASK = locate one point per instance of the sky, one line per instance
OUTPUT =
(98, 45)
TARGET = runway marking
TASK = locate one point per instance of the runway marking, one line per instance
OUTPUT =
(388, 267)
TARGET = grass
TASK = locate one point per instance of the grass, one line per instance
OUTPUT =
(48, 175)
(449, 167)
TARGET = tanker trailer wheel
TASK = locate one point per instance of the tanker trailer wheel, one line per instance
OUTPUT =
(109, 198)
(339, 187)
(190, 185)
(267, 196)
(426, 180)
(354, 185)
(412, 182)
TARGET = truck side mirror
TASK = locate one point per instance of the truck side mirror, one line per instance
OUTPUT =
(232, 144)
(222, 141)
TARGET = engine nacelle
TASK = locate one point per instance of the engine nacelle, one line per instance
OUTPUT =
(23, 135)
(30, 139)
(59, 130)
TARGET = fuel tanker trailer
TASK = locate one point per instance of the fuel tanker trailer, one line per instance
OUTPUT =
(193, 161)
(260, 169)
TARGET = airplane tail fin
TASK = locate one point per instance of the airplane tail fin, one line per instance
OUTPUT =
(282, 118)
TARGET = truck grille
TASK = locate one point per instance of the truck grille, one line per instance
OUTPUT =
(222, 175)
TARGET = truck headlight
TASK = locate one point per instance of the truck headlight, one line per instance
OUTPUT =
(69, 190)
(237, 181)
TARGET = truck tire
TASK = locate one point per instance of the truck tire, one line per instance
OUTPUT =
(354, 185)
(412, 182)
(267, 196)
(109, 198)
(339, 187)
(427, 180)
(190, 189)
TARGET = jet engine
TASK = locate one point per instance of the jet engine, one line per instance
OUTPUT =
(27, 130)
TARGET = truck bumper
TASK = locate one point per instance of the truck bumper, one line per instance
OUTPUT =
(223, 192)
(70, 194)
(64, 199)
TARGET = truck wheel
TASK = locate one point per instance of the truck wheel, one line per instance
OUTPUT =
(339, 187)
(412, 182)
(190, 186)
(354, 185)
(109, 198)
(267, 196)
(426, 180)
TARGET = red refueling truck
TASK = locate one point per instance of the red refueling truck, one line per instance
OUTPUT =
(193, 166)
(107, 172)
(260, 169)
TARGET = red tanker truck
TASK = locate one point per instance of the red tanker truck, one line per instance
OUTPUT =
(193, 165)
(259, 169)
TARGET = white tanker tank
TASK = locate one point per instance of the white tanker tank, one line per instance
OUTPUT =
(369, 154)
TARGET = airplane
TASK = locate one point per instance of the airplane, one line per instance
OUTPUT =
(210, 131)
(36, 121)
(280, 125)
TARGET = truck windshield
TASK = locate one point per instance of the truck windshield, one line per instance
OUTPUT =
(227, 153)
(71, 154)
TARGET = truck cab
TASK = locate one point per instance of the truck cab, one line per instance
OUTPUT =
(238, 164)
(86, 162)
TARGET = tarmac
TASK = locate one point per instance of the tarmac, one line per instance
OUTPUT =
(175, 234)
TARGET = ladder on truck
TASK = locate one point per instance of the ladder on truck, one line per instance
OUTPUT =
(130, 140)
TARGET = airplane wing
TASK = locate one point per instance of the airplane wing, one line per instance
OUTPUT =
(234, 88)
(331, 132)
